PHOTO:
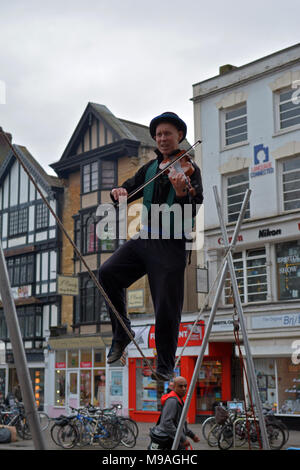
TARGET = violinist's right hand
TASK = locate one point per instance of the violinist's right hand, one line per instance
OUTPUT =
(119, 192)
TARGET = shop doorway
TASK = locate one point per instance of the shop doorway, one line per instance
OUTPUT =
(72, 389)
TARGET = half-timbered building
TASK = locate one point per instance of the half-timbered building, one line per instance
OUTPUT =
(30, 241)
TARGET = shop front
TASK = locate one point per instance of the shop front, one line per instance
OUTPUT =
(213, 384)
(9, 382)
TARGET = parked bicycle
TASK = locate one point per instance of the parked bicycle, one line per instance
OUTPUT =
(90, 425)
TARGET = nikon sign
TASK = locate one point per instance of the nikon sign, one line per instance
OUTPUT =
(269, 233)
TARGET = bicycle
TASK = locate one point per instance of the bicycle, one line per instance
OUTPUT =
(84, 429)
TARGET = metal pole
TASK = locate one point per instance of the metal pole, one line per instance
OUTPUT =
(208, 327)
(249, 359)
(19, 355)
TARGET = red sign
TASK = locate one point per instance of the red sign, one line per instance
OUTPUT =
(60, 365)
(184, 332)
(86, 364)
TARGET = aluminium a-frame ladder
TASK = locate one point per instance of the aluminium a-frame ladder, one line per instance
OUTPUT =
(228, 266)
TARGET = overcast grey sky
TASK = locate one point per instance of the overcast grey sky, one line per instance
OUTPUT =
(137, 57)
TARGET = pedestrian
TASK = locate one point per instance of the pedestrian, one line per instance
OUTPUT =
(163, 434)
(159, 249)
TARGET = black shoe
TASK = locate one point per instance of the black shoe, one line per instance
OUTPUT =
(162, 376)
(117, 349)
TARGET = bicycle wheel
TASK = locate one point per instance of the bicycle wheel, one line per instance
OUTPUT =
(207, 425)
(128, 438)
(68, 436)
(110, 435)
(85, 431)
(225, 439)
(276, 436)
(213, 435)
(131, 424)
(53, 433)
(240, 433)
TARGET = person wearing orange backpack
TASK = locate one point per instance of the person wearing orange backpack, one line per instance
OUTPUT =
(163, 434)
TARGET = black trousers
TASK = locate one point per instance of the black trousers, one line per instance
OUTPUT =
(164, 262)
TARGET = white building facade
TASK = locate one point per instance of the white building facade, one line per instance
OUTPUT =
(248, 119)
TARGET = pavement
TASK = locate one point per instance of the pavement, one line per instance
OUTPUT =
(142, 443)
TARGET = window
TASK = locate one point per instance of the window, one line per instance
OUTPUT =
(90, 236)
(107, 174)
(251, 275)
(91, 242)
(90, 177)
(41, 216)
(30, 321)
(288, 109)
(237, 186)
(21, 270)
(18, 222)
(288, 270)
(90, 307)
(291, 183)
(77, 233)
(235, 125)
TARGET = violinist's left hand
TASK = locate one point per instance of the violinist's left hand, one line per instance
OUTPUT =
(179, 183)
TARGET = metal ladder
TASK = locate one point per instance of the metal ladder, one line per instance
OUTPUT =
(228, 266)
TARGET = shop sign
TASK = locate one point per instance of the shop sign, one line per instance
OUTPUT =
(184, 332)
(223, 325)
(266, 232)
(239, 239)
(276, 321)
(60, 365)
(135, 298)
(86, 364)
(67, 285)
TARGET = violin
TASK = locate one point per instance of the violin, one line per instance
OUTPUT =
(183, 165)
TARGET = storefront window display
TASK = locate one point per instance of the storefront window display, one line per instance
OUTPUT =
(90, 365)
(60, 387)
(288, 386)
(85, 387)
(38, 382)
(146, 387)
(99, 388)
(265, 370)
(209, 385)
(279, 384)
(288, 270)
(146, 396)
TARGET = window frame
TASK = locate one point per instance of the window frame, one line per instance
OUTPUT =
(42, 217)
(81, 316)
(15, 264)
(100, 171)
(19, 222)
(244, 258)
(281, 173)
(226, 187)
(223, 121)
(276, 100)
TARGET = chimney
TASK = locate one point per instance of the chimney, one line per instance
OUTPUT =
(226, 68)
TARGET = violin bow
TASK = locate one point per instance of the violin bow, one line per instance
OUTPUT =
(170, 164)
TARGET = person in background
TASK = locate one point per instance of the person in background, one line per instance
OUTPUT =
(165, 430)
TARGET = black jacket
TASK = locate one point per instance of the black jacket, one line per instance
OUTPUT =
(162, 187)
